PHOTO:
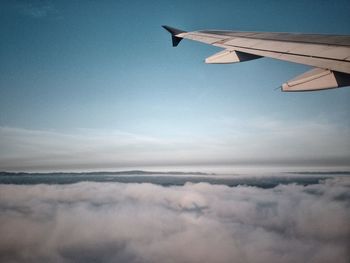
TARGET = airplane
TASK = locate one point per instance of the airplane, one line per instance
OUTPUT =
(328, 54)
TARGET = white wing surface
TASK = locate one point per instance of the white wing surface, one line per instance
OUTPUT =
(328, 54)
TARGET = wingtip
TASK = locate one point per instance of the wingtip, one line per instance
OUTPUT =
(174, 32)
(280, 88)
(165, 27)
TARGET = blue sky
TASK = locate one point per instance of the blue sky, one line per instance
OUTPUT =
(97, 85)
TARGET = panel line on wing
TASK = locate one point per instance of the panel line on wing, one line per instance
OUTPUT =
(288, 53)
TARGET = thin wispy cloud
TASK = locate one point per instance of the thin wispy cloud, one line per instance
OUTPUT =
(36, 9)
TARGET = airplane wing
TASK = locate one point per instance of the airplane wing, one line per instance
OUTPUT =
(328, 54)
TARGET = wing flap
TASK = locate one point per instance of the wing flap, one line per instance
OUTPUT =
(317, 79)
(228, 56)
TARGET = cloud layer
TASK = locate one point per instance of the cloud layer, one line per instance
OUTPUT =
(113, 222)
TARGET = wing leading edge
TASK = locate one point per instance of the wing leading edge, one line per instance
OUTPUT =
(328, 54)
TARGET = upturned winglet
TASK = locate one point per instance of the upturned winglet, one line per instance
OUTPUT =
(174, 32)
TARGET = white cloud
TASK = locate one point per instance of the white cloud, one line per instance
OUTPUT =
(112, 222)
